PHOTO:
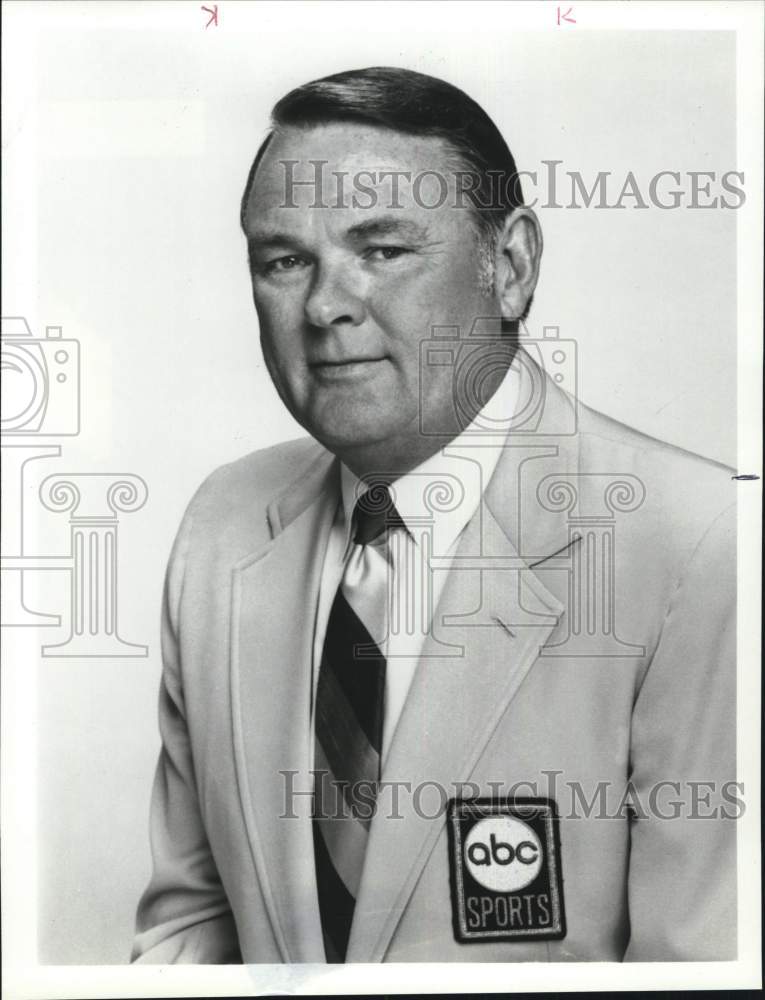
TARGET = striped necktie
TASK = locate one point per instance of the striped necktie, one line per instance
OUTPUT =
(349, 718)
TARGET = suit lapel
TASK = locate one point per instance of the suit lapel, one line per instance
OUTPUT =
(274, 591)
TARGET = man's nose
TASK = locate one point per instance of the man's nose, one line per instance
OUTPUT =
(332, 301)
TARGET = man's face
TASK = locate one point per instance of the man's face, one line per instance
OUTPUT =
(345, 295)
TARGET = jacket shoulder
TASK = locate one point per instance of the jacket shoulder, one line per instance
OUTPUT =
(607, 429)
(684, 493)
(261, 475)
(232, 501)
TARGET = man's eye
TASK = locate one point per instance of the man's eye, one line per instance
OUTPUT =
(290, 263)
(386, 253)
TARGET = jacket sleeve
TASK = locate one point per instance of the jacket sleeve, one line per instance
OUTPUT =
(184, 915)
(682, 875)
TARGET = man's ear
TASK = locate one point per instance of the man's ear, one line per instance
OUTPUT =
(516, 267)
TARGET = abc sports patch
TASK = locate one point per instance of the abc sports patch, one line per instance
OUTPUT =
(505, 870)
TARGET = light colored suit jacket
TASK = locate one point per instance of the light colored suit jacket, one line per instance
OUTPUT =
(592, 608)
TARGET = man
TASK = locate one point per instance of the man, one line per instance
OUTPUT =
(453, 678)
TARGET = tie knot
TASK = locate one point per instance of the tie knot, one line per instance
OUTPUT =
(375, 512)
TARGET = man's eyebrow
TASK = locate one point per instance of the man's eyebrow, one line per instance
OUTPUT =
(388, 226)
(369, 228)
(267, 240)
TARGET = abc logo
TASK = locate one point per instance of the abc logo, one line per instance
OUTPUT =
(503, 853)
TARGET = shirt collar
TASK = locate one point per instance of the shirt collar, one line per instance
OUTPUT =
(443, 492)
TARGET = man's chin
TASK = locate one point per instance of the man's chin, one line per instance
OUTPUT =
(354, 429)
(343, 439)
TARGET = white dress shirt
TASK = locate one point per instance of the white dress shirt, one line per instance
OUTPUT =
(454, 479)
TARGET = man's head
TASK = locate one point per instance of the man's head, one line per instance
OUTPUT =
(384, 203)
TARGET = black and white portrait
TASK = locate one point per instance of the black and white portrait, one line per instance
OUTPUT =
(379, 440)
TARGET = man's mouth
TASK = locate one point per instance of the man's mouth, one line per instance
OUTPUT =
(320, 362)
(345, 367)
